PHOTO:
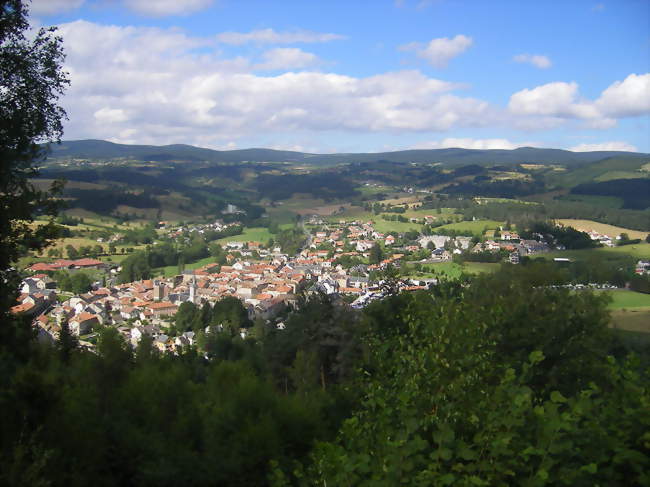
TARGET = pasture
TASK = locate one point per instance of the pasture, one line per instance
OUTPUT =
(476, 228)
(602, 228)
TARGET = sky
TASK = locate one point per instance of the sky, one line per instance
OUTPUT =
(356, 75)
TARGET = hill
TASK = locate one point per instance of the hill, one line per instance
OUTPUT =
(101, 149)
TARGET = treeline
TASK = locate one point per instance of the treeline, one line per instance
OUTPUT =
(328, 186)
(635, 193)
(140, 265)
(500, 379)
(290, 240)
(505, 188)
(633, 219)
(105, 201)
(567, 237)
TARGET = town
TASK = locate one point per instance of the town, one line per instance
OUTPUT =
(347, 260)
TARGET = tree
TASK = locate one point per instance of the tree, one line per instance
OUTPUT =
(376, 254)
(80, 283)
(71, 251)
(31, 83)
(67, 341)
(444, 404)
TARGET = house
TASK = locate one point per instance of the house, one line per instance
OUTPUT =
(642, 267)
(162, 308)
(438, 241)
(160, 342)
(82, 323)
(88, 264)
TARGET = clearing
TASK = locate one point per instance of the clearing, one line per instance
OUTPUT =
(602, 228)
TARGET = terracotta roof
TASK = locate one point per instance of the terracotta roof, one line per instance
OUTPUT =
(22, 308)
(162, 305)
(42, 266)
(86, 262)
(84, 316)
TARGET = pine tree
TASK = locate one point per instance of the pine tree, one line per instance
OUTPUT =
(68, 343)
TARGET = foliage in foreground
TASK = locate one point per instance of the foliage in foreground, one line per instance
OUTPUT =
(501, 386)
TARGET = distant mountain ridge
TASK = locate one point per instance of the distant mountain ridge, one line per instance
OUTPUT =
(99, 149)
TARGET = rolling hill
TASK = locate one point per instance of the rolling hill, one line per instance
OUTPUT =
(100, 149)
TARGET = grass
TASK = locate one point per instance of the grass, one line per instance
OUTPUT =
(480, 267)
(611, 230)
(638, 251)
(471, 227)
(636, 320)
(605, 201)
(608, 176)
(254, 234)
(172, 270)
(453, 270)
(624, 299)
(385, 226)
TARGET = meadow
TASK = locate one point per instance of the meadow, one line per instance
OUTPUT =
(611, 230)
(254, 234)
(624, 299)
(638, 251)
(476, 228)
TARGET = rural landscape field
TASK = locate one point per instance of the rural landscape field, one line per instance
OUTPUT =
(297, 244)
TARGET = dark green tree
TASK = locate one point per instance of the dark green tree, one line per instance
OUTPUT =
(68, 343)
(376, 254)
(80, 283)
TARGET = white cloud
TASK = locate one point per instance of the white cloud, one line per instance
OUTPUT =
(110, 115)
(440, 51)
(287, 58)
(49, 7)
(270, 36)
(555, 99)
(552, 103)
(604, 146)
(162, 8)
(151, 85)
(627, 98)
(469, 143)
(536, 60)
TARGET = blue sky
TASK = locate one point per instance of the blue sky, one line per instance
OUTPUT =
(352, 76)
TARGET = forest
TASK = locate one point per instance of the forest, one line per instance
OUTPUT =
(494, 381)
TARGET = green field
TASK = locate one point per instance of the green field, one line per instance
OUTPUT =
(471, 227)
(172, 270)
(254, 234)
(624, 299)
(385, 226)
(480, 267)
(638, 251)
(606, 201)
(453, 270)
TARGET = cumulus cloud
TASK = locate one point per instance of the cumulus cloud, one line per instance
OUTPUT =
(440, 51)
(287, 58)
(469, 143)
(537, 60)
(154, 85)
(553, 103)
(162, 8)
(270, 36)
(627, 98)
(49, 7)
(605, 146)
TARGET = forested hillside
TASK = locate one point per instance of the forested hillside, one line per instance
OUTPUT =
(498, 381)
